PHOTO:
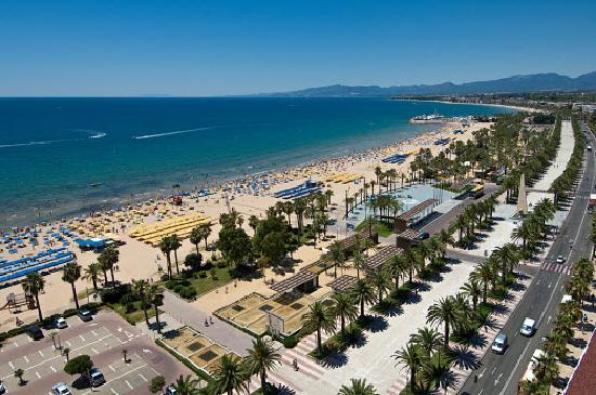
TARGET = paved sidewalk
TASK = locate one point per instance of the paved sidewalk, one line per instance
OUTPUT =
(223, 333)
(372, 360)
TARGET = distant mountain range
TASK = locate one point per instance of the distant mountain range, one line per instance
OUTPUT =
(514, 84)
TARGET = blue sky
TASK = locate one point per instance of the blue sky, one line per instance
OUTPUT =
(202, 47)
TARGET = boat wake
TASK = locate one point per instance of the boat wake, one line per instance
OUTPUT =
(29, 144)
(164, 134)
(93, 134)
(98, 135)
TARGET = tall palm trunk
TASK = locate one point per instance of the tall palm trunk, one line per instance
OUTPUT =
(319, 343)
(176, 260)
(446, 333)
(74, 294)
(38, 307)
(157, 318)
(112, 274)
(263, 380)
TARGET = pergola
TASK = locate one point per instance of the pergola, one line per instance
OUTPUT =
(343, 283)
(415, 214)
(376, 262)
(302, 279)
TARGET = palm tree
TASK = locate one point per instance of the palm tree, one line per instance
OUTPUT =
(412, 258)
(509, 257)
(139, 288)
(18, 373)
(461, 224)
(196, 237)
(428, 339)
(359, 261)
(358, 387)
(33, 285)
(107, 259)
(71, 273)
(174, 245)
(165, 245)
(472, 290)
(344, 309)
(484, 276)
(443, 312)
(397, 267)
(187, 385)
(205, 231)
(154, 295)
(381, 282)
(318, 319)
(261, 359)
(436, 372)
(547, 369)
(299, 209)
(337, 255)
(91, 273)
(409, 356)
(229, 376)
(363, 293)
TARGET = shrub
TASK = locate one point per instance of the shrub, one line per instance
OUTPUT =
(78, 365)
(157, 384)
(290, 341)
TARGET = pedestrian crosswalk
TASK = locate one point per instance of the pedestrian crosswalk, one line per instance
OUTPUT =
(400, 383)
(557, 268)
(306, 365)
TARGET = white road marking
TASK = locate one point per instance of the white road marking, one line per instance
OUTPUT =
(143, 377)
(11, 365)
(81, 337)
(94, 351)
(111, 368)
(37, 374)
(53, 368)
(40, 353)
(113, 391)
(25, 358)
(129, 386)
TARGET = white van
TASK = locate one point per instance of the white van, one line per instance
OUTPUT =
(499, 344)
(528, 327)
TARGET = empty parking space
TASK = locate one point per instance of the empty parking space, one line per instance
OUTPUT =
(124, 377)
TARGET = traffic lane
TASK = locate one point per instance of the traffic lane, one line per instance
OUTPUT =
(517, 357)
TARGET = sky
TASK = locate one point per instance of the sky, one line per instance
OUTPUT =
(225, 47)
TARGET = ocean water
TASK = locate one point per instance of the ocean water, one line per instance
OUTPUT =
(52, 149)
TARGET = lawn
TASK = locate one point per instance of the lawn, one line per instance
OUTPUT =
(216, 277)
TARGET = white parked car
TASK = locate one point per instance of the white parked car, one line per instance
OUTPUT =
(61, 323)
(528, 327)
(60, 389)
(560, 259)
(500, 343)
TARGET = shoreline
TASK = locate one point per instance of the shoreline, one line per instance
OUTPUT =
(507, 106)
(216, 186)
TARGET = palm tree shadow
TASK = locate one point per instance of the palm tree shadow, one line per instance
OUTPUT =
(517, 286)
(285, 390)
(490, 324)
(464, 358)
(422, 286)
(377, 323)
(335, 360)
(501, 309)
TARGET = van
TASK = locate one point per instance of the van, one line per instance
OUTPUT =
(528, 327)
(499, 344)
(96, 377)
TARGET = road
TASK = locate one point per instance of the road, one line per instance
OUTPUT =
(500, 374)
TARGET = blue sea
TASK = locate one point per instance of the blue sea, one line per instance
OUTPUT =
(52, 149)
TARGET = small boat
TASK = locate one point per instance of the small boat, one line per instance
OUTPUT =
(95, 184)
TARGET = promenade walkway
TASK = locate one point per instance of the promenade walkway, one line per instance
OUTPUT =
(223, 333)
(372, 360)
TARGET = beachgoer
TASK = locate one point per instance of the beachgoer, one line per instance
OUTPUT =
(211, 320)
(295, 364)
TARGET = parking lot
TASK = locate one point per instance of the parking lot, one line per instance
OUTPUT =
(104, 340)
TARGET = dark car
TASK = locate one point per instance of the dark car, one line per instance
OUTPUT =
(34, 332)
(423, 236)
(85, 315)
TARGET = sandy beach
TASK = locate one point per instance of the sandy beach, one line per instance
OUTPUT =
(248, 196)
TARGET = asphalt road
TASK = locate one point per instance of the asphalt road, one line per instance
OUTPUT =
(500, 374)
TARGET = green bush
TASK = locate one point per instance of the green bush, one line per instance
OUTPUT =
(290, 341)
